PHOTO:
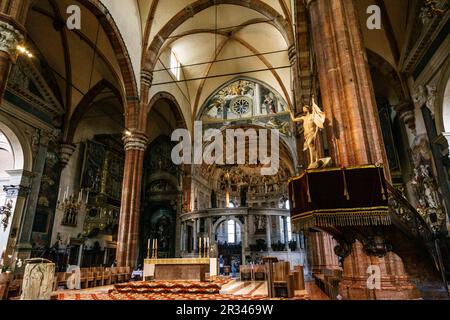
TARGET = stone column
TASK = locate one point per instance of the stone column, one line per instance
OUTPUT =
(210, 230)
(269, 233)
(347, 92)
(128, 236)
(194, 236)
(245, 231)
(12, 19)
(182, 229)
(285, 234)
(297, 241)
(26, 229)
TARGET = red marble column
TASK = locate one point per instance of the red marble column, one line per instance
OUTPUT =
(346, 86)
(128, 235)
(353, 128)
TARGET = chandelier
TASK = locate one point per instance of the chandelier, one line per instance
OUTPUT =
(71, 205)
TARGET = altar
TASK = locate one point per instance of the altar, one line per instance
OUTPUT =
(194, 269)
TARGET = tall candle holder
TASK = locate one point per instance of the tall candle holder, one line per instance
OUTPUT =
(155, 249)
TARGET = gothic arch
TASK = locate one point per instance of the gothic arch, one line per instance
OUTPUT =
(176, 109)
(86, 103)
(225, 219)
(21, 148)
(120, 49)
(442, 105)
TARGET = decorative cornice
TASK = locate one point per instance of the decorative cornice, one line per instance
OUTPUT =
(135, 141)
(405, 110)
(10, 38)
(66, 151)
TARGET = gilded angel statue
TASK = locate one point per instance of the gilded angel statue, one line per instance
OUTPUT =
(313, 119)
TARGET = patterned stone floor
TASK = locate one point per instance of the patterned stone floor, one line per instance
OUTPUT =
(234, 290)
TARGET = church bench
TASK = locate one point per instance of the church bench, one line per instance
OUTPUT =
(283, 280)
(259, 272)
(114, 275)
(122, 274)
(246, 273)
(107, 276)
(328, 281)
(98, 277)
(61, 279)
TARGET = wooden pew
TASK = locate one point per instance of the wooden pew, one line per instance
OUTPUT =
(283, 281)
(259, 272)
(246, 273)
(107, 276)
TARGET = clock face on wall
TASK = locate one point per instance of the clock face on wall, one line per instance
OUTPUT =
(241, 105)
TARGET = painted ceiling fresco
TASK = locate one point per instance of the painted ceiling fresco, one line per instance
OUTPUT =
(247, 101)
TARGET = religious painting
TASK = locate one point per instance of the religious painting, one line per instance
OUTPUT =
(94, 155)
(248, 100)
(47, 199)
(158, 222)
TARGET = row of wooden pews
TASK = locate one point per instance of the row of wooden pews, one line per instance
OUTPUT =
(328, 281)
(95, 277)
(256, 272)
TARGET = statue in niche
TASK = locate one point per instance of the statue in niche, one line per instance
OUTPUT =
(260, 223)
(269, 103)
(313, 120)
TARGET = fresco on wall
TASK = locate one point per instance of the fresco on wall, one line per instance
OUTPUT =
(48, 197)
(247, 100)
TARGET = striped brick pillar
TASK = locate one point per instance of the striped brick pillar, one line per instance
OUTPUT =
(354, 130)
(128, 236)
(348, 97)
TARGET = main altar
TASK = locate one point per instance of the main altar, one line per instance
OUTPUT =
(194, 269)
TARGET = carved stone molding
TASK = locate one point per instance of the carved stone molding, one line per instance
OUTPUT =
(376, 245)
(405, 110)
(135, 141)
(15, 191)
(292, 55)
(10, 38)
(66, 151)
(344, 247)
(147, 78)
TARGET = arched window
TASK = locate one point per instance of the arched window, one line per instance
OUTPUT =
(231, 231)
(175, 66)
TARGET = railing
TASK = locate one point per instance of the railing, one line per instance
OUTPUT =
(408, 216)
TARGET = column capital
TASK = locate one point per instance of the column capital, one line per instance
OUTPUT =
(16, 191)
(10, 38)
(135, 141)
